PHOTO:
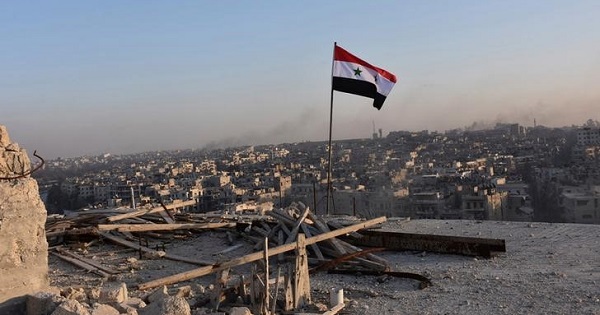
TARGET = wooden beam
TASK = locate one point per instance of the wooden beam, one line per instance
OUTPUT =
(82, 264)
(301, 278)
(87, 261)
(323, 228)
(162, 227)
(202, 271)
(139, 213)
(314, 247)
(266, 295)
(121, 241)
(334, 310)
(292, 236)
(166, 216)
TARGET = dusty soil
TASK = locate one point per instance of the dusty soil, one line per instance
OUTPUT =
(547, 269)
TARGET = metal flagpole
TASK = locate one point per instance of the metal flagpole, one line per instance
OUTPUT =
(329, 189)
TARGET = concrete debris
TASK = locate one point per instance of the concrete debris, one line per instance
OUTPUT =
(158, 295)
(116, 293)
(170, 305)
(103, 309)
(185, 292)
(76, 294)
(71, 307)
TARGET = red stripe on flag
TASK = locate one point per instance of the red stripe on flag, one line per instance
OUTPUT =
(340, 54)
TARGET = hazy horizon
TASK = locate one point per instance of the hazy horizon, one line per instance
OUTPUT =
(85, 78)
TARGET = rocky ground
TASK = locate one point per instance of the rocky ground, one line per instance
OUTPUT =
(547, 269)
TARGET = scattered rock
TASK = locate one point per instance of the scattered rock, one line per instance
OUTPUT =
(113, 293)
(76, 294)
(185, 291)
(71, 307)
(171, 305)
(157, 295)
(131, 305)
(321, 307)
(103, 309)
(93, 294)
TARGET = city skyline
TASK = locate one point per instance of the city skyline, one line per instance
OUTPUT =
(83, 78)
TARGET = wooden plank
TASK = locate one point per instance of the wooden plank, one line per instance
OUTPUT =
(372, 257)
(436, 243)
(334, 310)
(166, 216)
(280, 241)
(139, 213)
(265, 304)
(289, 290)
(338, 225)
(73, 231)
(314, 247)
(87, 261)
(152, 252)
(202, 271)
(323, 228)
(292, 236)
(281, 217)
(301, 278)
(275, 295)
(162, 227)
(81, 264)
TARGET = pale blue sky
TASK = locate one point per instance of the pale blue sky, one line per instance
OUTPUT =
(86, 77)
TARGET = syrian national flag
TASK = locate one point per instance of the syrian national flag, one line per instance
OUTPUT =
(356, 76)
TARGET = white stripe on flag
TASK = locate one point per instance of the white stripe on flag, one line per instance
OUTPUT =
(346, 70)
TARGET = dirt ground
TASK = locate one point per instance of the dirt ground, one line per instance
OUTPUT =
(547, 269)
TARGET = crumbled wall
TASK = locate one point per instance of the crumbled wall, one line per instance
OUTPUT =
(23, 246)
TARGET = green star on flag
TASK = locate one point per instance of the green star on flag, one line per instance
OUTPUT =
(356, 76)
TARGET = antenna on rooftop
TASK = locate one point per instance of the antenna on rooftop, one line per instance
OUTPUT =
(374, 131)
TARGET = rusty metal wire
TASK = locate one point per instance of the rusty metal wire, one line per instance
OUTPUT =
(31, 171)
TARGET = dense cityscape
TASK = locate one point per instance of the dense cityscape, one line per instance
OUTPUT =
(505, 172)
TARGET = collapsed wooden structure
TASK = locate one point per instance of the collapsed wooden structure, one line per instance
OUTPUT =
(287, 245)
(295, 238)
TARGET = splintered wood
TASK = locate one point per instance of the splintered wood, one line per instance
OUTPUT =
(295, 236)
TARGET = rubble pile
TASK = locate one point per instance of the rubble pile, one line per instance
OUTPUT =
(291, 239)
(112, 299)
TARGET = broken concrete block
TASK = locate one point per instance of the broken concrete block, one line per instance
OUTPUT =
(113, 293)
(103, 309)
(132, 304)
(158, 294)
(155, 254)
(71, 307)
(42, 303)
(131, 311)
(240, 311)
(172, 305)
(76, 294)
(93, 294)
(185, 291)
(135, 302)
